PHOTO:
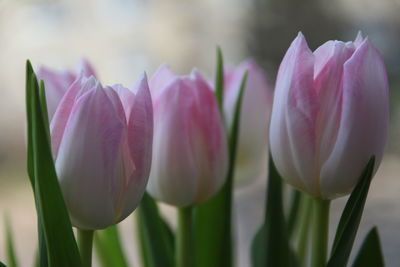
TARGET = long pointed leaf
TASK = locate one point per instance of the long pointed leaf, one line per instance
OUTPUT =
(109, 249)
(219, 80)
(271, 244)
(156, 238)
(11, 257)
(50, 205)
(212, 220)
(31, 86)
(370, 254)
(350, 219)
(2, 264)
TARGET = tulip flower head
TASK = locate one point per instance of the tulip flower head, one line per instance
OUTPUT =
(190, 148)
(330, 115)
(255, 113)
(102, 142)
(57, 82)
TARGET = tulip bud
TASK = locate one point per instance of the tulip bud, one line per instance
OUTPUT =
(102, 142)
(330, 115)
(57, 83)
(252, 152)
(190, 148)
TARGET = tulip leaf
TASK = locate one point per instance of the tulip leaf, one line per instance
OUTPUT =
(108, 247)
(271, 244)
(350, 219)
(212, 220)
(155, 236)
(2, 264)
(370, 254)
(31, 85)
(50, 206)
(219, 80)
(11, 257)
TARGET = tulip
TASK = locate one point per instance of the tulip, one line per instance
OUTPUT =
(57, 83)
(330, 115)
(252, 151)
(102, 142)
(190, 148)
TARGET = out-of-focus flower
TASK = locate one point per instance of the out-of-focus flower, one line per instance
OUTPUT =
(57, 82)
(256, 107)
(190, 149)
(330, 115)
(102, 143)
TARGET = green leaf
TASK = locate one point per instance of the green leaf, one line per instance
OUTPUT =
(42, 253)
(350, 219)
(370, 254)
(212, 220)
(11, 257)
(31, 86)
(108, 247)
(50, 206)
(2, 264)
(271, 244)
(219, 80)
(155, 236)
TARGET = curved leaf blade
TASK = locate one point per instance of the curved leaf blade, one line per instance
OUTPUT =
(370, 254)
(10, 248)
(155, 236)
(350, 219)
(271, 244)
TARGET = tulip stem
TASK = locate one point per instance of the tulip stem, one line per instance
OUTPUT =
(85, 243)
(303, 227)
(320, 230)
(184, 238)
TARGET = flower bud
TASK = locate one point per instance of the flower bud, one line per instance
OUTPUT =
(101, 140)
(330, 115)
(190, 148)
(57, 83)
(252, 151)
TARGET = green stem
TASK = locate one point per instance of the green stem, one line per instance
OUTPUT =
(320, 230)
(184, 238)
(85, 243)
(303, 228)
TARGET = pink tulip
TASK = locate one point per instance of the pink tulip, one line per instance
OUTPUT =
(57, 83)
(190, 148)
(102, 142)
(330, 115)
(256, 107)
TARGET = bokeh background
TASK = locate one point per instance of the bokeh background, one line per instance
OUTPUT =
(123, 38)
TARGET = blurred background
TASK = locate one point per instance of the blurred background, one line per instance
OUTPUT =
(123, 38)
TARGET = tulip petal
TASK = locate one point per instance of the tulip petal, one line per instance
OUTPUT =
(208, 143)
(328, 71)
(61, 116)
(256, 107)
(292, 134)
(363, 124)
(160, 79)
(85, 68)
(88, 157)
(127, 98)
(56, 84)
(140, 142)
(172, 180)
